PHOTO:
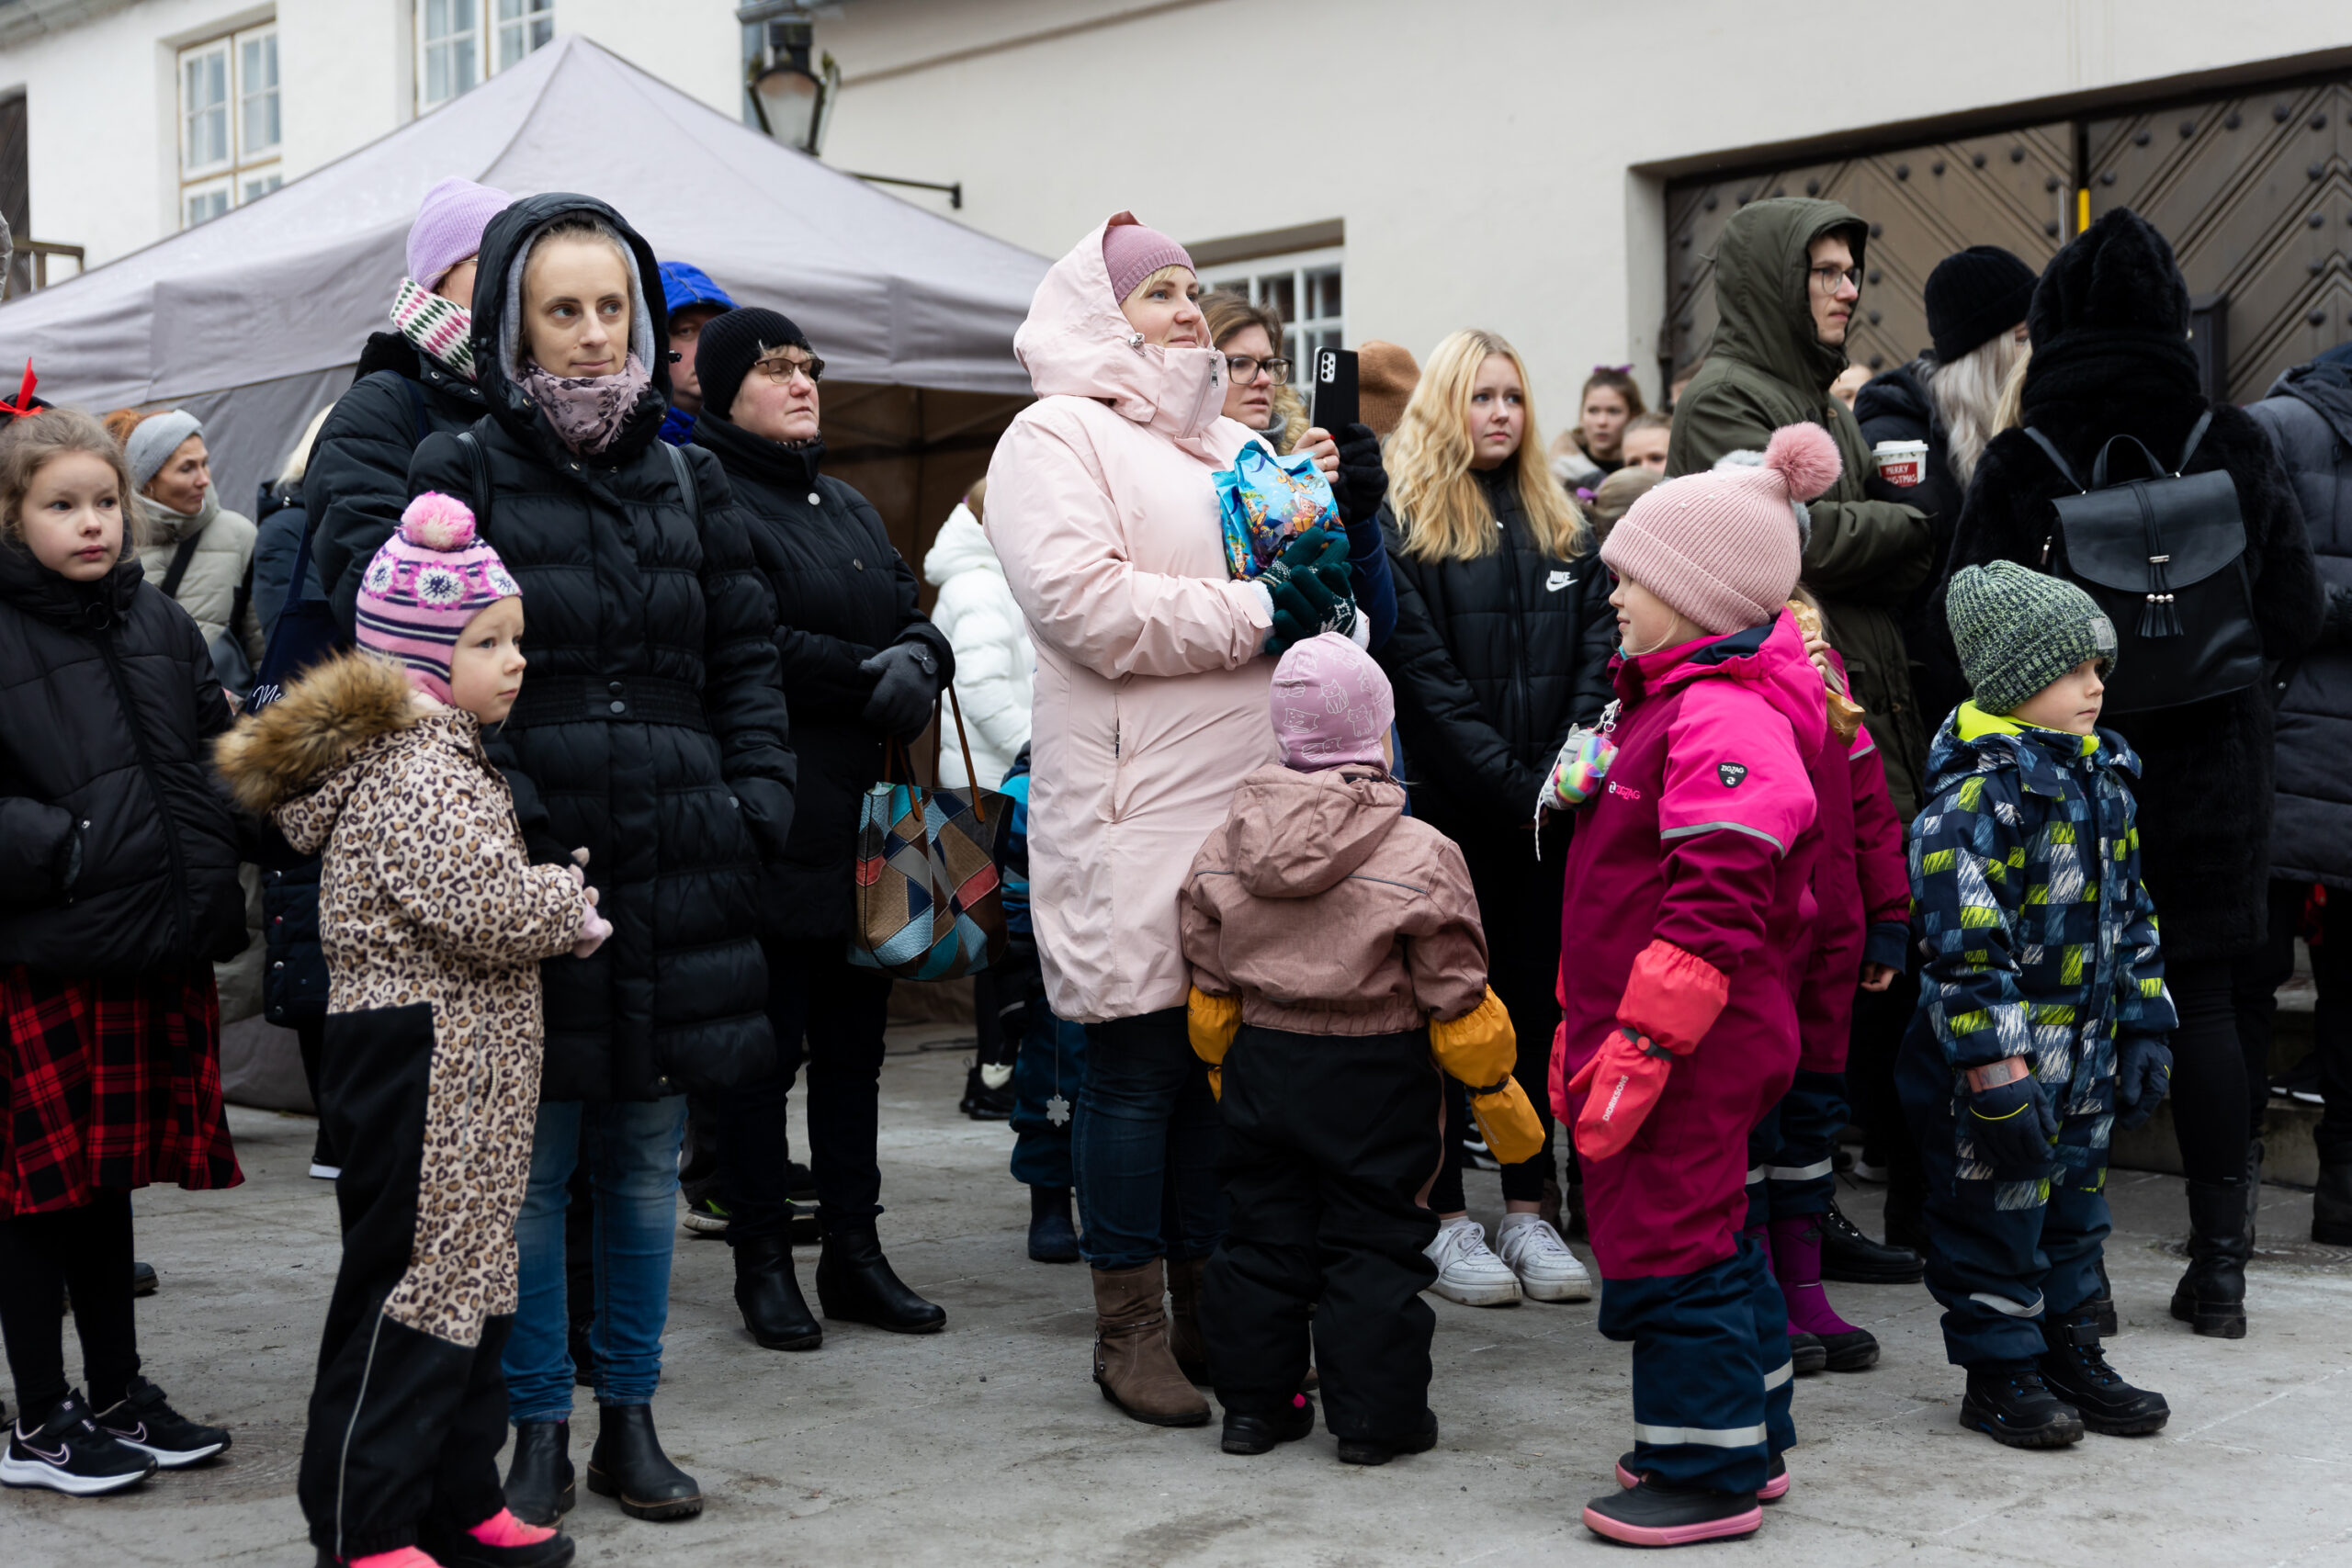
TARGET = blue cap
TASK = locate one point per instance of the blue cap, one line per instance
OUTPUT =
(685, 285)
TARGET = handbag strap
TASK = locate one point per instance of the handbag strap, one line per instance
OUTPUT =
(972, 779)
(178, 568)
(301, 575)
(689, 490)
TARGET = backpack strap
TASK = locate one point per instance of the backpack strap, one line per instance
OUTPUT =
(478, 461)
(2049, 450)
(687, 489)
(2195, 435)
(178, 568)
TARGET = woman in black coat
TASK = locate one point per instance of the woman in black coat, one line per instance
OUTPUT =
(1502, 641)
(651, 732)
(863, 665)
(2110, 325)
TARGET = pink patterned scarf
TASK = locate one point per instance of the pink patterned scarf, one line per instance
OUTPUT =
(587, 410)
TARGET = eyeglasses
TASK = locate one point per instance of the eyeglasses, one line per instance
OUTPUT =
(1827, 277)
(1245, 368)
(782, 368)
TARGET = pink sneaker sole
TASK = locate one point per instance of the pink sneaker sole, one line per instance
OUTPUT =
(1746, 1523)
(1773, 1491)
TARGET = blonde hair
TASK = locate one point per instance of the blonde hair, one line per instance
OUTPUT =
(299, 463)
(31, 442)
(1436, 498)
(1967, 396)
(2008, 413)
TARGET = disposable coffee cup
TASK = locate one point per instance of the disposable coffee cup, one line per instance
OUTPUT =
(1901, 462)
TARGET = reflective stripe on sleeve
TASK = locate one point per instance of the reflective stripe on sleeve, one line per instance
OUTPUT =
(1734, 826)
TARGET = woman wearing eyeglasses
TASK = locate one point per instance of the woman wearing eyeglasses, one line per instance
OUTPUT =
(860, 665)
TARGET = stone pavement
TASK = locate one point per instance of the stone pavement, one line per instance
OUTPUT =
(988, 1445)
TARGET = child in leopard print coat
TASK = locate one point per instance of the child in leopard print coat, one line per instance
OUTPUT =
(434, 922)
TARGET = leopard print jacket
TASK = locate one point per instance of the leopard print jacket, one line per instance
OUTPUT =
(427, 896)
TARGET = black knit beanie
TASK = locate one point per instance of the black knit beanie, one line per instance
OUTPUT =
(1972, 296)
(730, 344)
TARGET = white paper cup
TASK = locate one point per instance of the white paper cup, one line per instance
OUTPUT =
(1901, 462)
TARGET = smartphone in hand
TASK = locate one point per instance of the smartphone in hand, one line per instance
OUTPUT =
(1333, 371)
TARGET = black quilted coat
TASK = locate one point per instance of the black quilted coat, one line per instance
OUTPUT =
(650, 730)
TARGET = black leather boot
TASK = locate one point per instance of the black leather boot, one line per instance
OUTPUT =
(2075, 1372)
(539, 1479)
(1848, 1256)
(768, 1293)
(2210, 1297)
(2331, 1206)
(854, 1283)
(628, 1466)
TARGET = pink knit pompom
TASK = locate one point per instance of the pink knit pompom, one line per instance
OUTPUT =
(1805, 457)
(440, 522)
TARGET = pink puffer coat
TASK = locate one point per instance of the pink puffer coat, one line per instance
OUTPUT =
(1151, 694)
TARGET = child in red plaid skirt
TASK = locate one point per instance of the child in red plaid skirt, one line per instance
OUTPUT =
(117, 890)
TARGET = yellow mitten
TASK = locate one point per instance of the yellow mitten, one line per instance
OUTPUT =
(1508, 1118)
(1477, 1048)
(1213, 1021)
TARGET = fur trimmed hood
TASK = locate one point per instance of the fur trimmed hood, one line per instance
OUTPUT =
(323, 722)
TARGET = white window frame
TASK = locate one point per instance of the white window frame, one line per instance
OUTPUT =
(493, 26)
(250, 168)
(1303, 332)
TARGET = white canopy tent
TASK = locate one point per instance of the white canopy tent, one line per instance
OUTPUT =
(254, 320)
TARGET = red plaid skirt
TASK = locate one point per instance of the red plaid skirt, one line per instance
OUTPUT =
(109, 1083)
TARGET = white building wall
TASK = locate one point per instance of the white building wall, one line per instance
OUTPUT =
(1478, 152)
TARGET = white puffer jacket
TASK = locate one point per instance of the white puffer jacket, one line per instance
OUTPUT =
(995, 664)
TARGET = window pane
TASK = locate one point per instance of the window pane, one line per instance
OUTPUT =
(511, 47)
(1323, 291)
(203, 104)
(1278, 292)
(204, 206)
(258, 84)
(261, 185)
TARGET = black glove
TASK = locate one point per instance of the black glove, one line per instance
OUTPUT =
(1362, 482)
(907, 684)
(2012, 1127)
(2142, 1078)
(1312, 588)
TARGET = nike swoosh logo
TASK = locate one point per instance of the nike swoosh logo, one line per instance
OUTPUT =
(60, 1457)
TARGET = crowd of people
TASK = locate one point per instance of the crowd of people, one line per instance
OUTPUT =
(1630, 813)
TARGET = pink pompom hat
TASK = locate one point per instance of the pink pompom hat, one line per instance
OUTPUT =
(1724, 547)
(427, 581)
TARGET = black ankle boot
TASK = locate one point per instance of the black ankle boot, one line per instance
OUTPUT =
(2017, 1409)
(628, 1466)
(1259, 1434)
(1851, 1258)
(2075, 1372)
(539, 1479)
(1052, 1237)
(1807, 1354)
(768, 1294)
(2331, 1206)
(2210, 1297)
(854, 1283)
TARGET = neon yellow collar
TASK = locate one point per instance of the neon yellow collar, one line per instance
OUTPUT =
(1976, 723)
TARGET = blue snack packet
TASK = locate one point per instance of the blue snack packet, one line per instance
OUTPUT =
(1264, 502)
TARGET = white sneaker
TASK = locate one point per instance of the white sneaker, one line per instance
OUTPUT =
(1466, 1272)
(1546, 1269)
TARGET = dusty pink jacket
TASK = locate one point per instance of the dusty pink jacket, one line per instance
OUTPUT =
(1150, 693)
(1329, 911)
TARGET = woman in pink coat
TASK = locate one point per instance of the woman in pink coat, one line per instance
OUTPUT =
(1150, 705)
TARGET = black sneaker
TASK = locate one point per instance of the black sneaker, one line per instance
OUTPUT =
(71, 1453)
(1259, 1434)
(1380, 1451)
(2017, 1409)
(1654, 1514)
(1807, 1354)
(2076, 1370)
(144, 1422)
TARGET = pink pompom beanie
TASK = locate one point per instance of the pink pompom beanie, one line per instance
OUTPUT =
(1722, 546)
(1331, 705)
(1134, 253)
(448, 226)
(424, 584)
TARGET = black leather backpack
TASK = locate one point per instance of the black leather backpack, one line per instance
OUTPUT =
(2165, 557)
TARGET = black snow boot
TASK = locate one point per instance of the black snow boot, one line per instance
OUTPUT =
(855, 1284)
(539, 1487)
(1259, 1434)
(1380, 1451)
(768, 1294)
(2016, 1408)
(2210, 1297)
(1654, 1514)
(1807, 1354)
(1849, 1257)
(628, 1466)
(2075, 1370)
(2332, 1206)
(1053, 1238)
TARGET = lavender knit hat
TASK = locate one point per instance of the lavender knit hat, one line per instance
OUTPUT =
(425, 582)
(1722, 546)
(1134, 253)
(448, 226)
(1331, 705)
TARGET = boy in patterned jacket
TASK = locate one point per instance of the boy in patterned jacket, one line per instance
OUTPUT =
(2043, 1010)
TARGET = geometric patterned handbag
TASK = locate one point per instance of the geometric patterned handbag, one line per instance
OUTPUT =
(929, 905)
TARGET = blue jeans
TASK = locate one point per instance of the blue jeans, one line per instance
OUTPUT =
(1144, 1144)
(1052, 1061)
(631, 1151)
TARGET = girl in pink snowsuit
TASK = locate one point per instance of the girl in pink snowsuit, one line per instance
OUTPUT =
(1687, 926)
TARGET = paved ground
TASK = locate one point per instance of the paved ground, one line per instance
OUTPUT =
(988, 1445)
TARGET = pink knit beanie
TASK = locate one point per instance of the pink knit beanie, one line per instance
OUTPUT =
(1331, 705)
(448, 226)
(1134, 253)
(425, 582)
(1722, 546)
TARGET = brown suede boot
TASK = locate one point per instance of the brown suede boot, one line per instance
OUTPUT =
(1132, 1365)
(1184, 1342)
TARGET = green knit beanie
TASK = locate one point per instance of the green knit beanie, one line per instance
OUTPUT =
(2017, 630)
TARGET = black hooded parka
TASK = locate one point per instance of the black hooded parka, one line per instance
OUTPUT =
(651, 726)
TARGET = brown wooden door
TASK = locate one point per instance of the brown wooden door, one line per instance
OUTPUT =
(2256, 195)
(1922, 204)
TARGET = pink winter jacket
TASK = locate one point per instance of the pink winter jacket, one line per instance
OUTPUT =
(1150, 693)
